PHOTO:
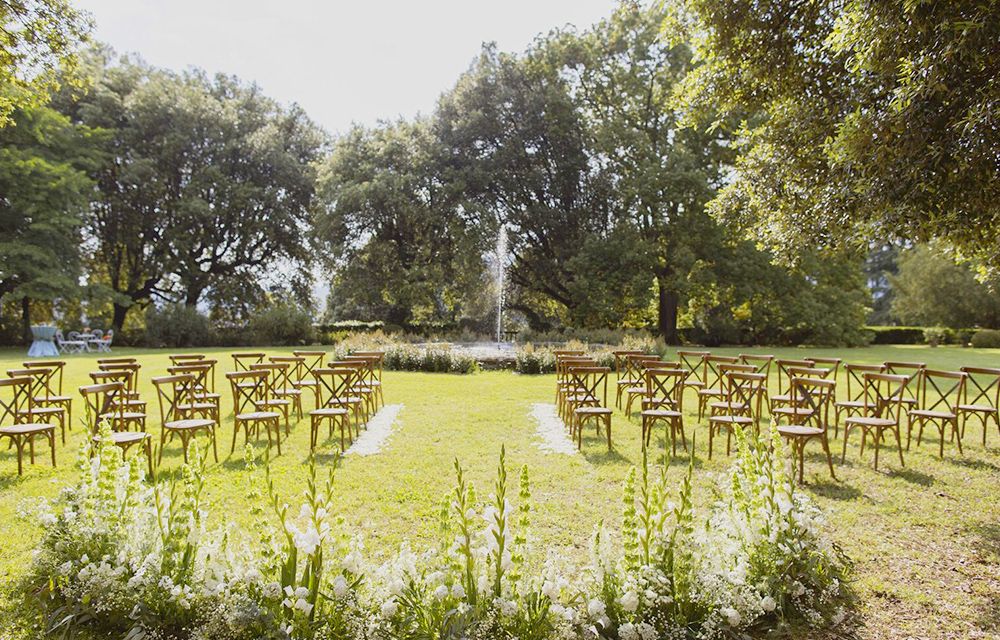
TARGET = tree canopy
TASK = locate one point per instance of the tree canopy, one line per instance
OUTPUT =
(861, 120)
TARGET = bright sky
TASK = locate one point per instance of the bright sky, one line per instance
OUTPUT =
(343, 61)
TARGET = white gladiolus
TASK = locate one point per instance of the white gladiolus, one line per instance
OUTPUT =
(389, 608)
(595, 608)
(629, 601)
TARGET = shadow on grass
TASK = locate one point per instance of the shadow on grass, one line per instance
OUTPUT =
(913, 476)
(969, 463)
(986, 538)
(834, 490)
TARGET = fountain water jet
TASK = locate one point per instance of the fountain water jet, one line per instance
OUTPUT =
(501, 267)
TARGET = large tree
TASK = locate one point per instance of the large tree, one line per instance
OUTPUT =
(864, 120)
(44, 192)
(39, 40)
(623, 74)
(388, 230)
(205, 183)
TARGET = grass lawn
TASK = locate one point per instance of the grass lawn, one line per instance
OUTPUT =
(925, 538)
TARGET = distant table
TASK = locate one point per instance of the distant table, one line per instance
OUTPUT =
(44, 342)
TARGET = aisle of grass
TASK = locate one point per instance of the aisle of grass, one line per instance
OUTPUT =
(926, 538)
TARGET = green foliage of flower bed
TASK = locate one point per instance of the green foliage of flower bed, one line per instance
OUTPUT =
(402, 356)
(531, 359)
(986, 339)
(121, 558)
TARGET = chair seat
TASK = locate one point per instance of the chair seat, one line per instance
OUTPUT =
(329, 411)
(288, 392)
(794, 411)
(850, 404)
(196, 406)
(711, 392)
(593, 411)
(628, 382)
(189, 423)
(661, 413)
(694, 383)
(43, 411)
(54, 399)
(929, 413)
(867, 421)
(728, 405)
(127, 415)
(640, 390)
(22, 429)
(799, 430)
(273, 402)
(731, 419)
(125, 437)
(259, 415)
(985, 408)
(781, 397)
(305, 383)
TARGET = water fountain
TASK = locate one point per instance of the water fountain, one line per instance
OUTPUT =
(501, 267)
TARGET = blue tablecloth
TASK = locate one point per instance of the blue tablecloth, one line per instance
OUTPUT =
(44, 345)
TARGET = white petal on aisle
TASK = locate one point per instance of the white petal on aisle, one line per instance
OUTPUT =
(377, 431)
(555, 438)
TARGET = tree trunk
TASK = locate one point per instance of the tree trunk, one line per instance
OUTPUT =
(119, 317)
(667, 312)
(26, 319)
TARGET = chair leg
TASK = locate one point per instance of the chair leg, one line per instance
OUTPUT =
(711, 435)
(878, 442)
(843, 455)
(899, 447)
(607, 426)
(826, 449)
(52, 446)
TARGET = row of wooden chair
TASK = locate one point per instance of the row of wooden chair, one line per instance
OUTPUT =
(346, 392)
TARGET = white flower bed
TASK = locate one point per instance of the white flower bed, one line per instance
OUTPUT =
(551, 430)
(128, 560)
(377, 432)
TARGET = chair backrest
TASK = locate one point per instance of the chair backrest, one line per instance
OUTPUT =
(312, 360)
(563, 363)
(333, 384)
(296, 366)
(783, 365)
(243, 360)
(367, 369)
(941, 390)
(856, 379)
(119, 360)
(98, 400)
(377, 356)
(761, 363)
(816, 373)
(185, 358)
(132, 368)
(277, 374)
(97, 333)
(666, 385)
(592, 383)
(982, 386)
(200, 370)
(884, 393)
(637, 363)
(172, 391)
(74, 335)
(911, 369)
(816, 394)
(249, 388)
(739, 366)
(830, 363)
(57, 365)
(39, 382)
(714, 377)
(621, 359)
(109, 336)
(15, 399)
(694, 361)
(745, 393)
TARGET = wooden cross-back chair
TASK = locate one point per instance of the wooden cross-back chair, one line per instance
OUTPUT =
(641, 391)
(882, 411)
(715, 381)
(940, 394)
(58, 366)
(378, 359)
(815, 394)
(791, 409)
(127, 409)
(278, 397)
(370, 377)
(911, 395)
(129, 395)
(589, 401)
(202, 401)
(358, 388)
(174, 391)
(744, 394)
(982, 397)
(854, 401)
(99, 404)
(243, 359)
(15, 401)
(693, 361)
(39, 410)
(664, 402)
(637, 364)
(336, 404)
(311, 361)
(722, 406)
(294, 375)
(625, 376)
(184, 358)
(784, 381)
(565, 385)
(251, 393)
(761, 363)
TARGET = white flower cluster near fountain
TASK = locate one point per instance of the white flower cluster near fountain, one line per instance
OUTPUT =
(130, 560)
